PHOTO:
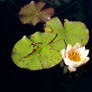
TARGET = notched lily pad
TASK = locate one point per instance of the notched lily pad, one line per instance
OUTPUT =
(56, 26)
(33, 13)
(43, 38)
(42, 50)
(76, 31)
(71, 33)
(50, 57)
(37, 52)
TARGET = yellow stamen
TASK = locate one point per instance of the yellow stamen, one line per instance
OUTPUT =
(74, 55)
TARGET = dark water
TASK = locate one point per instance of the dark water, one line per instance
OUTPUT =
(15, 79)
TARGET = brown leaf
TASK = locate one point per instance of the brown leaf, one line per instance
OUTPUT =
(32, 13)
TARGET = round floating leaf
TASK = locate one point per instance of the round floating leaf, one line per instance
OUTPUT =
(33, 13)
(24, 46)
(58, 45)
(56, 27)
(50, 57)
(21, 49)
(71, 33)
(76, 32)
(37, 52)
(43, 38)
(42, 50)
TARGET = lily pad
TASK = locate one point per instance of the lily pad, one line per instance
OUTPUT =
(42, 50)
(39, 51)
(33, 13)
(42, 38)
(56, 27)
(72, 31)
(76, 31)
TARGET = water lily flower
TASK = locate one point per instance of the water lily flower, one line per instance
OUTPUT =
(75, 56)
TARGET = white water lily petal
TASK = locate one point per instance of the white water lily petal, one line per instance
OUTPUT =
(71, 69)
(77, 45)
(63, 52)
(86, 53)
(75, 56)
(66, 61)
(83, 52)
(83, 62)
(86, 60)
(69, 47)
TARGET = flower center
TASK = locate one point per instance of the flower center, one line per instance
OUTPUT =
(74, 55)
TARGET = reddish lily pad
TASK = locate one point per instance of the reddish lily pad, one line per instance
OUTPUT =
(32, 13)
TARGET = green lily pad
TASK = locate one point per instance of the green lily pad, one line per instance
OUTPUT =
(71, 33)
(50, 57)
(76, 32)
(39, 51)
(33, 13)
(56, 27)
(43, 38)
(42, 50)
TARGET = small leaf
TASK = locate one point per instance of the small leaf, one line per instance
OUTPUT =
(33, 13)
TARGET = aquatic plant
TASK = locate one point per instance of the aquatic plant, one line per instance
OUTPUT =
(33, 13)
(42, 50)
(75, 56)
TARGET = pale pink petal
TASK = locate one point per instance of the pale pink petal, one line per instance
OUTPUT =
(66, 61)
(69, 47)
(86, 60)
(86, 53)
(71, 69)
(83, 62)
(72, 66)
(76, 46)
(63, 53)
(81, 50)
(49, 18)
